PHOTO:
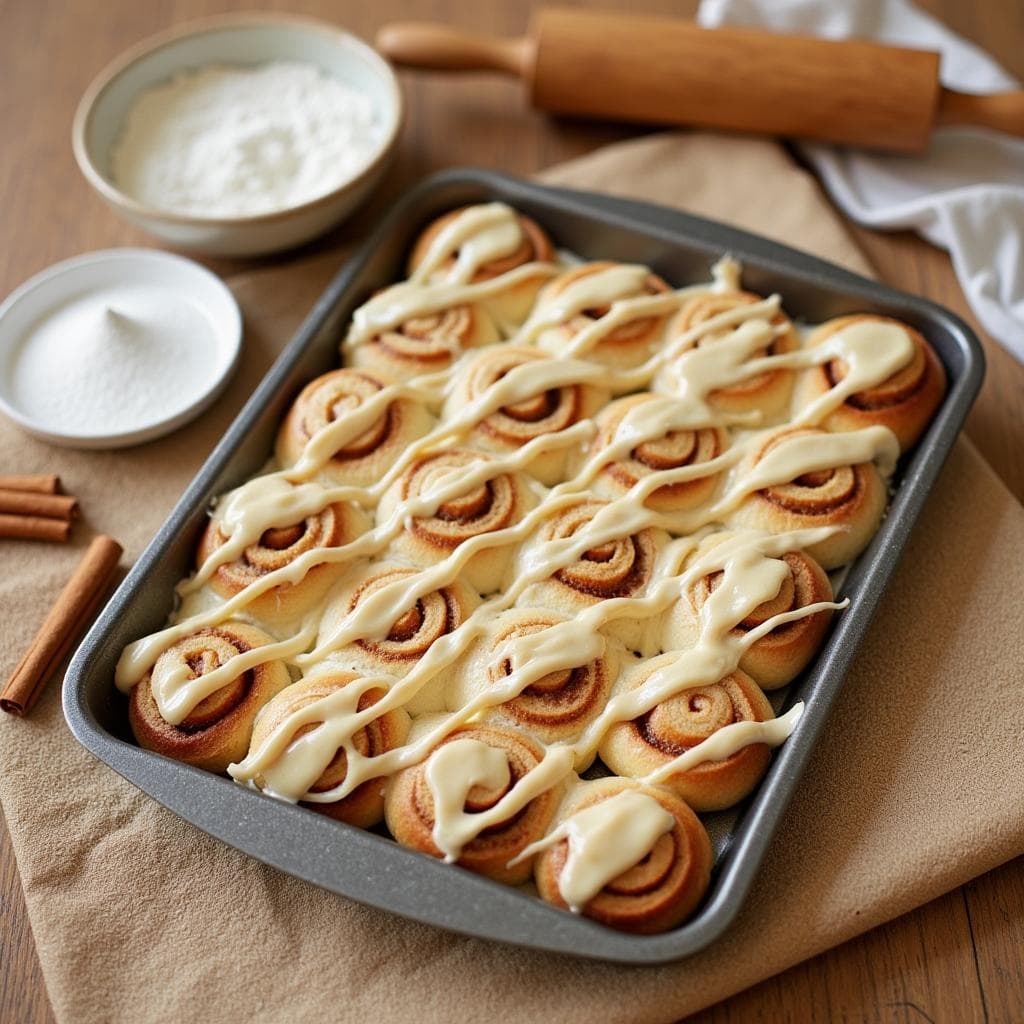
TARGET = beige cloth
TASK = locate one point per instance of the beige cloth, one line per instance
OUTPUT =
(915, 786)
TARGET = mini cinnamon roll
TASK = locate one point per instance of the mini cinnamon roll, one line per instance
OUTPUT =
(364, 806)
(428, 343)
(767, 392)
(600, 284)
(657, 893)
(516, 424)
(333, 527)
(330, 398)
(410, 806)
(637, 748)
(485, 248)
(497, 504)
(905, 403)
(674, 449)
(621, 567)
(412, 632)
(779, 656)
(851, 497)
(216, 731)
(558, 706)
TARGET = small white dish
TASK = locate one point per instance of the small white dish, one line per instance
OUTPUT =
(245, 39)
(76, 278)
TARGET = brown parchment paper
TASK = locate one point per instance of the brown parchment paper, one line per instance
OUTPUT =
(916, 785)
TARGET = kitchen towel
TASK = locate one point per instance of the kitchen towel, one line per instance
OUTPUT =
(914, 787)
(965, 194)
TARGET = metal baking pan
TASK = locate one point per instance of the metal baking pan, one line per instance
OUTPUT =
(372, 868)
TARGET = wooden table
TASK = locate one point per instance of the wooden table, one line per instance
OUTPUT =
(957, 959)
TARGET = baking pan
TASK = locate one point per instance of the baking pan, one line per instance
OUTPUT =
(372, 868)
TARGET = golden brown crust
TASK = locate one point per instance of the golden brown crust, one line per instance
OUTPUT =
(658, 893)
(335, 526)
(905, 403)
(364, 806)
(636, 748)
(331, 397)
(851, 497)
(777, 657)
(217, 732)
(675, 449)
(409, 808)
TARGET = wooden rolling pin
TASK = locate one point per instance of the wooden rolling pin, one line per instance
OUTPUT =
(670, 71)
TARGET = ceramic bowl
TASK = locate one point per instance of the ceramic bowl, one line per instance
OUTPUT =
(246, 39)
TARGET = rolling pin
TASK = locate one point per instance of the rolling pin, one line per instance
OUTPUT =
(670, 71)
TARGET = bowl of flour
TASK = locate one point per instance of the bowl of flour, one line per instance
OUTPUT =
(239, 135)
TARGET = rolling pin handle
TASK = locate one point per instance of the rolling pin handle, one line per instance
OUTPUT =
(1002, 111)
(413, 44)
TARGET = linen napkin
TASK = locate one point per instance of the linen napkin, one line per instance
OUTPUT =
(965, 194)
(914, 787)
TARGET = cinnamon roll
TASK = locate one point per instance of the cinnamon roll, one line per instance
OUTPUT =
(777, 657)
(427, 343)
(558, 706)
(658, 892)
(768, 392)
(621, 567)
(851, 497)
(516, 424)
(330, 398)
(635, 749)
(594, 288)
(410, 806)
(674, 449)
(364, 806)
(512, 242)
(497, 504)
(217, 730)
(905, 403)
(333, 527)
(411, 633)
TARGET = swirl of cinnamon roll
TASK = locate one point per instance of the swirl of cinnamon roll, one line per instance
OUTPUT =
(558, 706)
(621, 567)
(657, 893)
(364, 806)
(530, 244)
(427, 343)
(497, 504)
(333, 527)
(777, 657)
(623, 346)
(216, 731)
(637, 748)
(852, 497)
(412, 631)
(905, 403)
(331, 398)
(672, 450)
(411, 816)
(514, 425)
(767, 392)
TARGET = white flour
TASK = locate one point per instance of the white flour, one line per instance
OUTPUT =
(225, 142)
(114, 361)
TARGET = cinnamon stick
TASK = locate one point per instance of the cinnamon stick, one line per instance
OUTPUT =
(32, 503)
(72, 611)
(34, 527)
(39, 483)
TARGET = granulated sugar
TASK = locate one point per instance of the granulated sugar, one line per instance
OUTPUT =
(226, 142)
(115, 360)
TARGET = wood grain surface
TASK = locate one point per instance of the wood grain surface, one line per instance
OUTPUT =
(958, 959)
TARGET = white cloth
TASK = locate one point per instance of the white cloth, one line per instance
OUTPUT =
(966, 194)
